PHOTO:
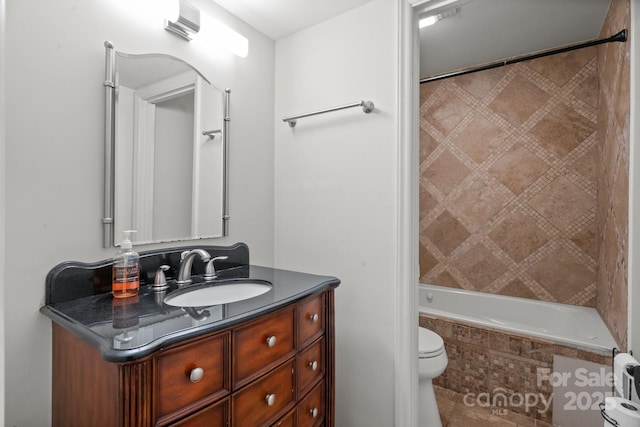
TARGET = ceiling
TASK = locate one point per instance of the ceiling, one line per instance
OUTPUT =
(483, 30)
(490, 30)
(279, 18)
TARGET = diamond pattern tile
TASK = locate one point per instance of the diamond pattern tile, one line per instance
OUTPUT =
(446, 233)
(509, 171)
(427, 261)
(480, 266)
(585, 239)
(446, 112)
(562, 202)
(562, 130)
(446, 172)
(517, 169)
(509, 103)
(562, 67)
(445, 279)
(518, 289)
(427, 202)
(428, 144)
(480, 138)
(479, 202)
(518, 236)
(588, 91)
(480, 88)
(561, 274)
(586, 165)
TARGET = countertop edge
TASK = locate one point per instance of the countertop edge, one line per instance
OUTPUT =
(110, 354)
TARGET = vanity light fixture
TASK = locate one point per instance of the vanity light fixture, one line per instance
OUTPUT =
(429, 20)
(432, 19)
(188, 21)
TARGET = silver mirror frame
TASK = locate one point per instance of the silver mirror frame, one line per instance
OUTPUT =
(110, 141)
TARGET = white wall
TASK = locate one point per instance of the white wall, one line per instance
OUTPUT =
(336, 192)
(54, 63)
(2, 207)
(336, 179)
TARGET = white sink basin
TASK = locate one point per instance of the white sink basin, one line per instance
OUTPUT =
(216, 294)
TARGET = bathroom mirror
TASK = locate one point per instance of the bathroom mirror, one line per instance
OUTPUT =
(166, 142)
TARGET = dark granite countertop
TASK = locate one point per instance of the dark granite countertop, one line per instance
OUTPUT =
(125, 329)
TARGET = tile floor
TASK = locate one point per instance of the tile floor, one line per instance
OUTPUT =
(454, 413)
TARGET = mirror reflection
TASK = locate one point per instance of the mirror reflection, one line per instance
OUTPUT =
(168, 150)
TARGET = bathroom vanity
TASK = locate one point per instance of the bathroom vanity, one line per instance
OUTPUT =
(262, 361)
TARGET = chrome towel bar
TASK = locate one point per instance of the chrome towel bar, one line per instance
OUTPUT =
(367, 107)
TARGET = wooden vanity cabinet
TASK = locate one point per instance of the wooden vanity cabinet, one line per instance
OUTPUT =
(275, 370)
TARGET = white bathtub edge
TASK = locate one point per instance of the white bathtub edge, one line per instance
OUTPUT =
(604, 344)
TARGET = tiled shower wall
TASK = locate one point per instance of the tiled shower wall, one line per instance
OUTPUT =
(509, 180)
(613, 183)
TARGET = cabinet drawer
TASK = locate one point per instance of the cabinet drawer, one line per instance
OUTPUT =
(310, 320)
(262, 345)
(311, 365)
(288, 420)
(311, 410)
(264, 399)
(192, 372)
(212, 416)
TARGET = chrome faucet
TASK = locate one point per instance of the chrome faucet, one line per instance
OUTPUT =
(186, 261)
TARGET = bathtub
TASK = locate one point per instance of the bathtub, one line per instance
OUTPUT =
(569, 325)
(507, 346)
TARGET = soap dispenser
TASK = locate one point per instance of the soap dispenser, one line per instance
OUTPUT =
(126, 269)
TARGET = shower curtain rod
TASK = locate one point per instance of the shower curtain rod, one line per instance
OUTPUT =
(619, 37)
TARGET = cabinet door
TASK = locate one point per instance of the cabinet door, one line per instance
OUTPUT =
(265, 399)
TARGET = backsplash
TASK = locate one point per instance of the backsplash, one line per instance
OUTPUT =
(524, 178)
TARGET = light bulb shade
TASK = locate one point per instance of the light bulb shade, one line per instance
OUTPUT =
(188, 21)
(432, 19)
(429, 20)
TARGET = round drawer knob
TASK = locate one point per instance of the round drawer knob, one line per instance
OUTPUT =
(314, 317)
(270, 399)
(271, 341)
(196, 375)
(313, 365)
(314, 412)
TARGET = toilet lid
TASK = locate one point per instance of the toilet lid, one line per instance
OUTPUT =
(429, 343)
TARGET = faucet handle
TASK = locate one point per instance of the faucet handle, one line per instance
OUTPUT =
(160, 280)
(186, 261)
(210, 270)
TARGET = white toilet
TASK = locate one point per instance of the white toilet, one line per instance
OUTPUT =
(432, 361)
